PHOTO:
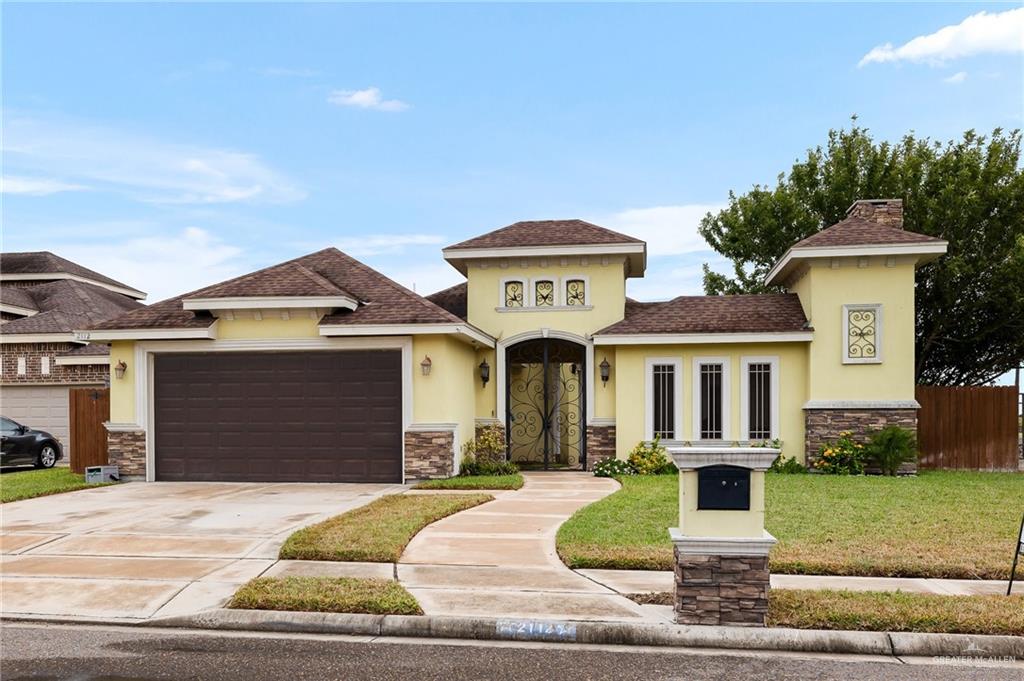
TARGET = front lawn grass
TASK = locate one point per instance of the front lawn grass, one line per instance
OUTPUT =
(40, 483)
(377, 532)
(474, 482)
(938, 524)
(326, 594)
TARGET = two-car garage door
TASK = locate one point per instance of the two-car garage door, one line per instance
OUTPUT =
(279, 416)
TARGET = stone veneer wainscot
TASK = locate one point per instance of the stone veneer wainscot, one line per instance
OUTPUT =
(600, 444)
(126, 449)
(825, 425)
(429, 454)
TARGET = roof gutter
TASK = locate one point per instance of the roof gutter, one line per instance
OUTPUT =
(698, 338)
(929, 250)
(465, 331)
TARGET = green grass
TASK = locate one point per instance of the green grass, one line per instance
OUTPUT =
(40, 483)
(896, 611)
(377, 532)
(938, 524)
(474, 482)
(326, 594)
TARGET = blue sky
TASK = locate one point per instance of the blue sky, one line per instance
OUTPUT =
(172, 146)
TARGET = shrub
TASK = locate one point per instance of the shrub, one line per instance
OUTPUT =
(787, 466)
(473, 466)
(487, 446)
(842, 457)
(648, 458)
(892, 446)
(613, 468)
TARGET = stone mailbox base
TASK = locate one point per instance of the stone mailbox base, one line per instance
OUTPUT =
(721, 580)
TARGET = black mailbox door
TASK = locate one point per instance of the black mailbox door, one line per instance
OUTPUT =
(723, 488)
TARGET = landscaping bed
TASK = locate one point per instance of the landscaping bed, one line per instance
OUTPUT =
(326, 594)
(514, 481)
(377, 532)
(885, 611)
(947, 524)
(40, 483)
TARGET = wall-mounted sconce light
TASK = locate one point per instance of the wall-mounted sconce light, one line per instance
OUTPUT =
(425, 365)
(485, 371)
(120, 368)
(606, 370)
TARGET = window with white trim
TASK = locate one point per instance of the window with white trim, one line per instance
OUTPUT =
(663, 401)
(862, 334)
(544, 293)
(44, 365)
(575, 292)
(710, 398)
(514, 293)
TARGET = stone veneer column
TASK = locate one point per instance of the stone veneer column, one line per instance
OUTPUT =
(429, 454)
(825, 425)
(721, 589)
(126, 449)
(600, 444)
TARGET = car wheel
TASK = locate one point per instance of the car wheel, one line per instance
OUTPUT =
(47, 456)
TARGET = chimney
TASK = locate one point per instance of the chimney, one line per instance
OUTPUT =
(885, 212)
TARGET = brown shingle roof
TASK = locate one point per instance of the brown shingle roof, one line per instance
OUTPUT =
(44, 263)
(766, 313)
(18, 296)
(381, 301)
(546, 233)
(91, 350)
(66, 305)
(859, 232)
(454, 299)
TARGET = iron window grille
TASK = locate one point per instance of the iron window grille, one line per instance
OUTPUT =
(514, 294)
(711, 402)
(664, 401)
(759, 395)
(575, 292)
(544, 294)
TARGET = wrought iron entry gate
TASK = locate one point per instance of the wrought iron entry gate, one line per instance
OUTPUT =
(546, 403)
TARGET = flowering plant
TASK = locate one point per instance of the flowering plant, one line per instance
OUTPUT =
(842, 457)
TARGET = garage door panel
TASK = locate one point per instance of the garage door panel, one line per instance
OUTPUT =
(313, 416)
(42, 407)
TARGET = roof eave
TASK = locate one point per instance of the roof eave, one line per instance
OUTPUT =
(57, 276)
(704, 337)
(926, 250)
(464, 331)
(636, 252)
(269, 302)
(173, 333)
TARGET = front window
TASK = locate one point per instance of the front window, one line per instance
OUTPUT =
(544, 293)
(759, 400)
(514, 294)
(710, 398)
(663, 399)
(575, 292)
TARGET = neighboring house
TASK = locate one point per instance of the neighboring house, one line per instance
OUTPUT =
(322, 369)
(43, 299)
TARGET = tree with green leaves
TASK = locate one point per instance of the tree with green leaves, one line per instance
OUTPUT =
(970, 192)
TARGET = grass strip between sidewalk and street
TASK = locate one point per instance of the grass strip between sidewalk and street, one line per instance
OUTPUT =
(377, 532)
(941, 524)
(326, 594)
(40, 483)
(474, 482)
(885, 611)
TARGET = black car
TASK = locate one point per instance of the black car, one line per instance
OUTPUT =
(22, 446)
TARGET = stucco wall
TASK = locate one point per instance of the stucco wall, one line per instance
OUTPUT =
(449, 393)
(630, 398)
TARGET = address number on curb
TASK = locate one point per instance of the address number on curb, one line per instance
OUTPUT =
(535, 629)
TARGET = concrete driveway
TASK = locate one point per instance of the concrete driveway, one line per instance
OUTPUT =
(140, 550)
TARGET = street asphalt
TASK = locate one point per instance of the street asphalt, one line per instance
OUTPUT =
(105, 653)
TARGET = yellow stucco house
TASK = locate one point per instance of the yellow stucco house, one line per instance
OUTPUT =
(321, 369)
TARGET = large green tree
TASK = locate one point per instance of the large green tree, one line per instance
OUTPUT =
(970, 303)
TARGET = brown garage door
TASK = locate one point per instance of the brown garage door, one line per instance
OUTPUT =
(289, 416)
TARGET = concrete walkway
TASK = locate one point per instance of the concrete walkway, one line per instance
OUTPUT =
(500, 559)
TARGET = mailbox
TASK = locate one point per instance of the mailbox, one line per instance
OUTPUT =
(723, 488)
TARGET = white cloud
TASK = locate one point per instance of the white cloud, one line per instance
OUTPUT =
(35, 186)
(379, 244)
(956, 78)
(370, 98)
(142, 166)
(981, 33)
(162, 265)
(668, 230)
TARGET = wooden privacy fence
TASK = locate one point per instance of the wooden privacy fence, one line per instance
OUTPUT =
(968, 427)
(89, 408)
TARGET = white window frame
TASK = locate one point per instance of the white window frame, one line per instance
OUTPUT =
(677, 398)
(698, 362)
(22, 366)
(745, 362)
(527, 297)
(554, 287)
(566, 278)
(44, 366)
(877, 309)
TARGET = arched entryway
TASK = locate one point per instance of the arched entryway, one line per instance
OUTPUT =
(546, 403)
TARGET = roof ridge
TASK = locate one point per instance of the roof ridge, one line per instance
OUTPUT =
(249, 275)
(320, 280)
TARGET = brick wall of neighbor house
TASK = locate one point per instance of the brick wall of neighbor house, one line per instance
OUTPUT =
(600, 445)
(75, 374)
(429, 454)
(713, 589)
(824, 425)
(127, 451)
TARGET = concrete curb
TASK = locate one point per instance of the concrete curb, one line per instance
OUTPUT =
(608, 633)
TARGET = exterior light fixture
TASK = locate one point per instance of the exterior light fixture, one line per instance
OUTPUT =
(120, 368)
(485, 371)
(606, 370)
(425, 365)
